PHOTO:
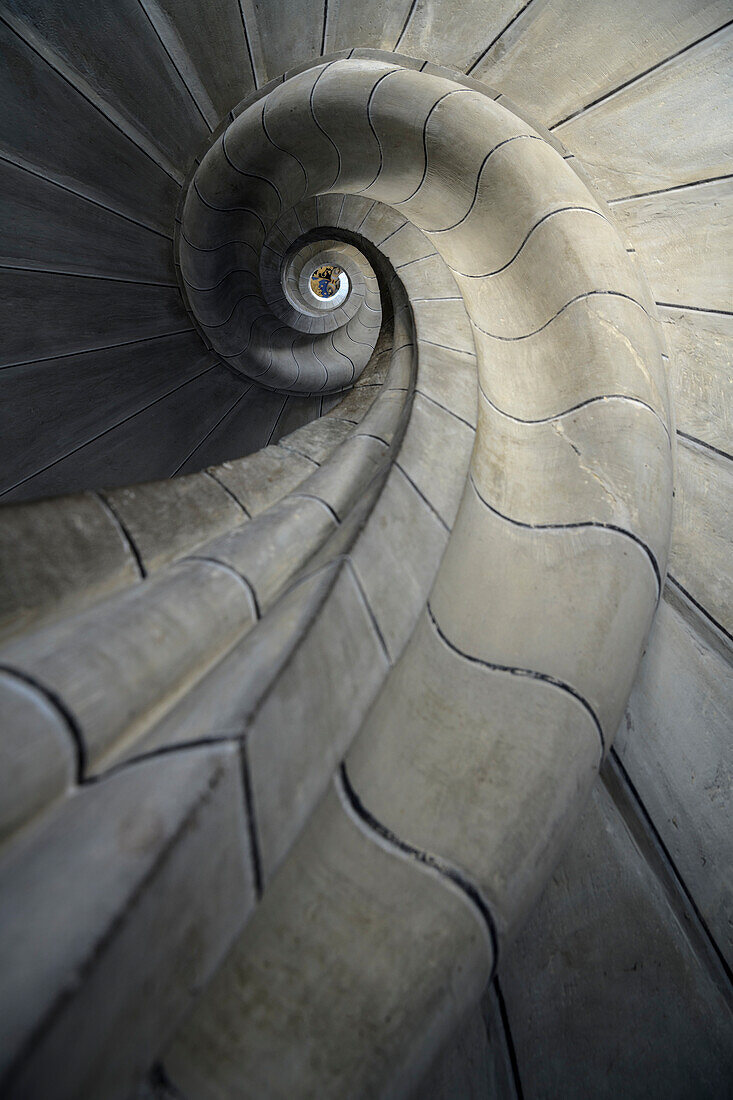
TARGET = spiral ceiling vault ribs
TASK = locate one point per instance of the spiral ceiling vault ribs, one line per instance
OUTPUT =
(306, 731)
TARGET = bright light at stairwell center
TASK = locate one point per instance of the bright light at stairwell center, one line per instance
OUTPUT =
(329, 283)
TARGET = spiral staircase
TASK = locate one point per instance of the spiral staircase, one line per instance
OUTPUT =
(365, 651)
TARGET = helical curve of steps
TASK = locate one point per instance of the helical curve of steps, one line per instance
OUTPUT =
(431, 596)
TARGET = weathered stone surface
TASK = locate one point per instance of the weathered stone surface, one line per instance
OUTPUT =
(359, 937)
(138, 883)
(80, 554)
(605, 916)
(681, 238)
(700, 351)
(699, 553)
(645, 136)
(165, 520)
(37, 753)
(674, 746)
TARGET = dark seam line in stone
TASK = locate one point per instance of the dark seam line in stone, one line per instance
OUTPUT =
(297, 363)
(511, 1051)
(455, 91)
(103, 347)
(178, 180)
(345, 356)
(295, 451)
(319, 500)
(427, 859)
(376, 135)
(211, 430)
(277, 420)
(59, 707)
(402, 33)
(422, 496)
(247, 585)
(639, 76)
(249, 811)
(445, 409)
(446, 347)
(700, 608)
(672, 866)
(232, 271)
(227, 490)
(429, 255)
(443, 298)
(527, 673)
(707, 446)
(280, 148)
(224, 244)
(374, 203)
(495, 39)
(368, 435)
(668, 190)
(578, 525)
(221, 324)
(696, 309)
(180, 75)
(229, 209)
(369, 609)
(544, 218)
(123, 528)
(86, 275)
(87, 198)
(577, 298)
(111, 428)
(325, 24)
(391, 234)
(223, 737)
(248, 175)
(327, 136)
(325, 368)
(517, 137)
(581, 405)
(249, 47)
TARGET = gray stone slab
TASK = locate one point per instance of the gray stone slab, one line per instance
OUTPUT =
(674, 744)
(246, 426)
(118, 53)
(647, 135)
(167, 519)
(701, 350)
(264, 477)
(594, 54)
(219, 57)
(352, 919)
(699, 553)
(118, 666)
(454, 35)
(59, 132)
(150, 444)
(305, 725)
(49, 314)
(76, 397)
(51, 228)
(604, 993)
(396, 558)
(80, 554)
(39, 757)
(138, 882)
(435, 454)
(681, 239)
(318, 440)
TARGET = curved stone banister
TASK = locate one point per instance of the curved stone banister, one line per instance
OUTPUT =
(431, 599)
